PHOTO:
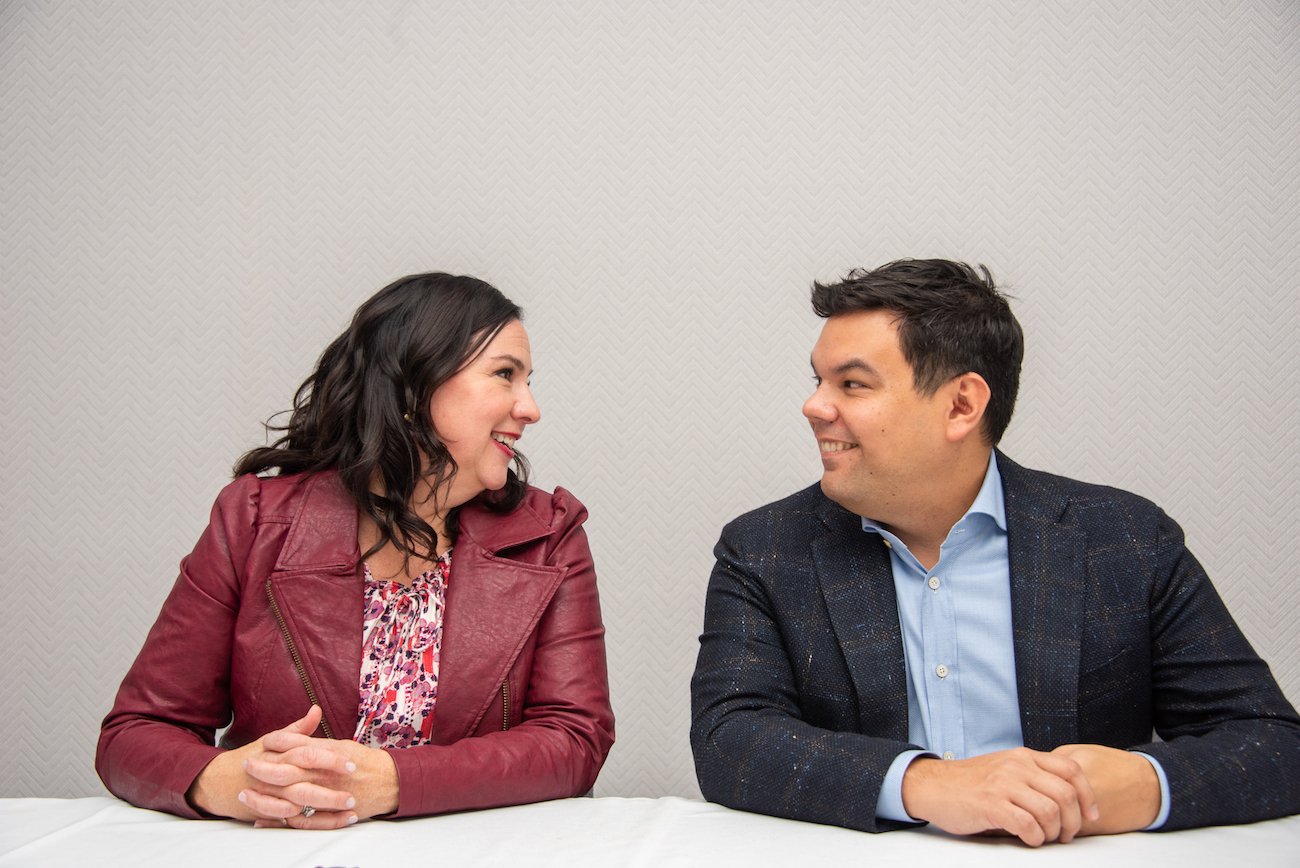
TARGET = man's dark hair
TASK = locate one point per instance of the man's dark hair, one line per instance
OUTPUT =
(951, 320)
(364, 411)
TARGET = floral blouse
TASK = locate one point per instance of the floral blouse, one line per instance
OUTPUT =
(401, 640)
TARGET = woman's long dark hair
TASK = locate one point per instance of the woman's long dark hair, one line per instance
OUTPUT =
(364, 411)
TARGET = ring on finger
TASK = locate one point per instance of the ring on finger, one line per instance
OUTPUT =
(307, 811)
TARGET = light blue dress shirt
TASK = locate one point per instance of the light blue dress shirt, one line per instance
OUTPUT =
(957, 641)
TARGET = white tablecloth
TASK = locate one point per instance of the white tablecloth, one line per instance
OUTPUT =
(580, 832)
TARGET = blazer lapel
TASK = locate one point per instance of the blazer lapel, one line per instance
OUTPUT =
(1047, 605)
(857, 585)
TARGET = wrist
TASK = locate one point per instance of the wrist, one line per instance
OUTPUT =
(384, 790)
(917, 784)
(204, 793)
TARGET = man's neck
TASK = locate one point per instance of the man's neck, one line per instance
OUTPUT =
(927, 524)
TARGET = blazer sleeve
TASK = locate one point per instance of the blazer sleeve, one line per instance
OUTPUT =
(1231, 741)
(755, 749)
(160, 732)
(567, 728)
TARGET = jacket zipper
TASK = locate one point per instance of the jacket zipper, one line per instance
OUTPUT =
(505, 705)
(297, 659)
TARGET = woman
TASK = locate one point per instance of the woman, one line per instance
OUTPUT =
(393, 624)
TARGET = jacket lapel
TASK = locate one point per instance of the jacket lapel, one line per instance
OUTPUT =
(857, 585)
(493, 605)
(318, 590)
(1047, 604)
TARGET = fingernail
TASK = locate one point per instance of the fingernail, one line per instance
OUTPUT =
(243, 796)
(351, 767)
(352, 818)
(244, 764)
(352, 803)
(1095, 812)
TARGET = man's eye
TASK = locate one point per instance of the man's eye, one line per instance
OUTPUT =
(854, 384)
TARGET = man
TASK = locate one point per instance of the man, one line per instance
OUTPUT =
(938, 634)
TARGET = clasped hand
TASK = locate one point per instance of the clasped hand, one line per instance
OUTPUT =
(1078, 789)
(271, 780)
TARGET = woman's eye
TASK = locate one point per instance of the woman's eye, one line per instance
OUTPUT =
(507, 373)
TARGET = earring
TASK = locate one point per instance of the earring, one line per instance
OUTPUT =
(407, 418)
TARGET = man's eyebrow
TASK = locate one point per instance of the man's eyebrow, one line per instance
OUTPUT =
(849, 365)
(854, 365)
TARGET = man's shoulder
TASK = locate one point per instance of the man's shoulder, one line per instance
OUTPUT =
(787, 524)
(1049, 496)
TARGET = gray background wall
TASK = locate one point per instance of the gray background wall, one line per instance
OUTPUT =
(197, 195)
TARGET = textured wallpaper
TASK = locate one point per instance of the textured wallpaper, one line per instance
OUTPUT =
(195, 196)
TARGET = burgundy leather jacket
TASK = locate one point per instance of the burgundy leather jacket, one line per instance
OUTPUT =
(266, 617)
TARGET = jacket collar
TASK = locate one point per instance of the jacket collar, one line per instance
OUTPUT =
(496, 532)
(323, 531)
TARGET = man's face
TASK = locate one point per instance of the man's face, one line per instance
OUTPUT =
(881, 441)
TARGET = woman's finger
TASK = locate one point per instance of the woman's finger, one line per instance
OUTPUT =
(306, 724)
(319, 755)
(282, 740)
(296, 766)
(320, 820)
(324, 820)
(321, 798)
(267, 805)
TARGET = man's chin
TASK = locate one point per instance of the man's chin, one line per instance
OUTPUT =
(838, 491)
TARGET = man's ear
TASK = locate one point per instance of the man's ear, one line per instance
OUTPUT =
(968, 399)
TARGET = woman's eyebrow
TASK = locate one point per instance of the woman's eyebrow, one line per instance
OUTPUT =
(514, 361)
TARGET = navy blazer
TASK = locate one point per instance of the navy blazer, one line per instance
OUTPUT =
(799, 698)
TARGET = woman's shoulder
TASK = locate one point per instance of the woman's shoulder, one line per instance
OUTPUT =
(539, 514)
(559, 502)
(279, 498)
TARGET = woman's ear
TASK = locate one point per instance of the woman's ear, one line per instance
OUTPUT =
(969, 397)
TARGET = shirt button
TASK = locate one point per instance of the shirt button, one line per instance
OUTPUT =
(941, 671)
(949, 755)
(933, 583)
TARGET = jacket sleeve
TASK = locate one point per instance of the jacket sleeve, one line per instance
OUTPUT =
(754, 750)
(160, 732)
(1231, 741)
(567, 725)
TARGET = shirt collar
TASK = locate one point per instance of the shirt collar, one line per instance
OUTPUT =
(989, 501)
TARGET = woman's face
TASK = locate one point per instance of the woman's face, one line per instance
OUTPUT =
(482, 410)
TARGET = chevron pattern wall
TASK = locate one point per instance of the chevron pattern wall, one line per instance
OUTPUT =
(195, 196)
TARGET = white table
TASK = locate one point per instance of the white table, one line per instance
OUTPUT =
(581, 832)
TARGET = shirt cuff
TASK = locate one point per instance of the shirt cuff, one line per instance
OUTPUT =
(889, 804)
(1163, 814)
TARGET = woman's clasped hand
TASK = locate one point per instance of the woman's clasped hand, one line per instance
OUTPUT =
(287, 778)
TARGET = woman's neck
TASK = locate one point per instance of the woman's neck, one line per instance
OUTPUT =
(391, 562)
